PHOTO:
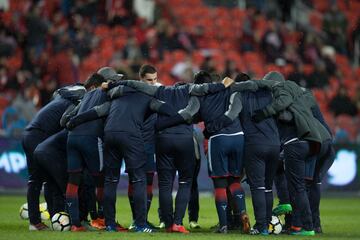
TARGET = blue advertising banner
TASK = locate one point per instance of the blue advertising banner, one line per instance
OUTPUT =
(342, 176)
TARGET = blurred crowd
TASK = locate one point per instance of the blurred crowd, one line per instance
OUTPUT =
(48, 44)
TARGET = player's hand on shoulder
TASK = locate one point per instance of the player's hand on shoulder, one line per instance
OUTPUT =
(104, 85)
(227, 81)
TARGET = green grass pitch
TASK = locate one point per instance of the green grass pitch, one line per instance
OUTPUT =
(340, 220)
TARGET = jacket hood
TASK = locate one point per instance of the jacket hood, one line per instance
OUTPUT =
(274, 76)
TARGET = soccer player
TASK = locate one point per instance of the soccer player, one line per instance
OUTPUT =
(174, 151)
(147, 74)
(324, 160)
(85, 150)
(301, 135)
(45, 123)
(123, 139)
(51, 158)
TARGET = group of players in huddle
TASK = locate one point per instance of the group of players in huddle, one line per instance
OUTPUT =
(272, 130)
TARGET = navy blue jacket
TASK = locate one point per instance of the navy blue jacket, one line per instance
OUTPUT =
(148, 129)
(128, 113)
(94, 127)
(213, 106)
(48, 118)
(264, 132)
(178, 97)
(57, 141)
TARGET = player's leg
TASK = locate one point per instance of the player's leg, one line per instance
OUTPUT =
(326, 159)
(92, 150)
(235, 165)
(295, 154)
(218, 171)
(185, 164)
(113, 156)
(75, 168)
(271, 166)
(166, 174)
(29, 142)
(135, 159)
(282, 190)
(193, 207)
(255, 170)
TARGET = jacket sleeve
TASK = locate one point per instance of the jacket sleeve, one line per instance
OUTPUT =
(268, 84)
(162, 107)
(89, 115)
(120, 91)
(184, 115)
(70, 112)
(205, 88)
(234, 109)
(243, 86)
(139, 86)
(281, 100)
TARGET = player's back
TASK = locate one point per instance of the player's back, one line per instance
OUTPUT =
(265, 131)
(127, 113)
(177, 97)
(95, 127)
(48, 118)
(213, 106)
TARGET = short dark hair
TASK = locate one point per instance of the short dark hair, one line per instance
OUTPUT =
(146, 68)
(202, 77)
(241, 77)
(94, 80)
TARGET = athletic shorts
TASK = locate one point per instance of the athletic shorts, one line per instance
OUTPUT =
(225, 155)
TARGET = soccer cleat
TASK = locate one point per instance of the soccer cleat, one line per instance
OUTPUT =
(302, 232)
(116, 228)
(223, 230)
(98, 223)
(88, 226)
(161, 225)
(194, 225)
(132, 226)
(245, 220)
(151, 225)
(255, 231)
(78, 229)
(145, 229)
(177, 228)
(38, 227)
(282, 209)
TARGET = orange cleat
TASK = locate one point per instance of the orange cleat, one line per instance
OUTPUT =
(245, 223)
(120, 228)
(177, 228)
(78, 229)
(98, 223)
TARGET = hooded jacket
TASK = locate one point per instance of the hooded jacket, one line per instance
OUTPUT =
(287, 95)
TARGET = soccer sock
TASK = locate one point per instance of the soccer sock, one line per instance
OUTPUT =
(269, 198)
(131, 199)
(221, 200)
(230, 208)
(149, 189)
(72, 202)
(221, 205)
(239, 196)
